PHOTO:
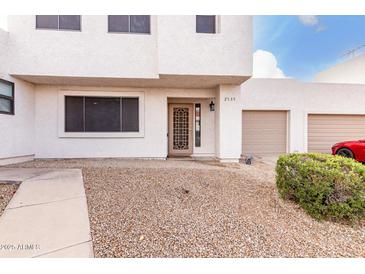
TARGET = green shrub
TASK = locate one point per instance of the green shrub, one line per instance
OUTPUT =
(325, 186)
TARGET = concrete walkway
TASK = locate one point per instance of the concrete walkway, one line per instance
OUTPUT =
(47, 217)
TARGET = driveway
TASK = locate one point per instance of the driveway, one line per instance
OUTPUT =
(200, 209)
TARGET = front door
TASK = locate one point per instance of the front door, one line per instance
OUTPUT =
(180, 129)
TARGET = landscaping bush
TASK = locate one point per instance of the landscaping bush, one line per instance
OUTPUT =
(325, 186)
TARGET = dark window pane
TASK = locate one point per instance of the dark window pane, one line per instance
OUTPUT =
(130, 114)
(6, 105)
(118, 23)
(197, 125)
(47, 21)
(74, 114)
(205, 23)
(102, 114)
(71, 22)
(6, 88)
(140, 23)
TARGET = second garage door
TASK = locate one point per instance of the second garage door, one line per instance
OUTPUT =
(324, 130)
(264, 133)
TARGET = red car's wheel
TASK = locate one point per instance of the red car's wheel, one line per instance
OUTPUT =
(345, 152)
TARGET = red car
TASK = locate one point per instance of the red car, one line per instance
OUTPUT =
(350, 149)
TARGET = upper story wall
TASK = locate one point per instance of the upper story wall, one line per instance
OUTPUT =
(173, 47)
(91, 52)
(183, 51)
(3, 52)
(351, 72)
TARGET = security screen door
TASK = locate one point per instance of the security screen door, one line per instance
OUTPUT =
(180, 129)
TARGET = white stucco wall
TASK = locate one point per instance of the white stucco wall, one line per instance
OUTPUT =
(16, 131)
(228, 123)
(300, 99)
(183, 51)
(173, 47)
(351, 72)
(153, 144)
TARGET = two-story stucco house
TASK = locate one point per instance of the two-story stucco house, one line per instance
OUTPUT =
(123, 86)
(139, 86)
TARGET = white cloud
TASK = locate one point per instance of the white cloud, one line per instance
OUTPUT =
(265, 65)
(3, 22)
(311, 21)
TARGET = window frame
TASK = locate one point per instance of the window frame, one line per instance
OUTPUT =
(11, 99)
(99, 93)
(129, 27)
(58, 24)
(216, 25)
(87, 118)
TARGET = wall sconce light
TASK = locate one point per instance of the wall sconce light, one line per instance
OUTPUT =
(212, 106)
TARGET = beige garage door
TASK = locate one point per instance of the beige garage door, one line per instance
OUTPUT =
(324, 130)
(264, 133)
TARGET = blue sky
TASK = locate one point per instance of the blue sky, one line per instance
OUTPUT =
(306, 45)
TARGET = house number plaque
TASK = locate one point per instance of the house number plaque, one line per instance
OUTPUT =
(229, 99)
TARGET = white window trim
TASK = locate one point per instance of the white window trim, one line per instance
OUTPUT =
(217, 24)
(61, 114)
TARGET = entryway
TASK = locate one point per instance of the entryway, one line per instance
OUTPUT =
(191, 128)
(180, 129)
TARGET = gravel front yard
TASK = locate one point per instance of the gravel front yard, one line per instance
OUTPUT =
(196, 209)
(6, 193)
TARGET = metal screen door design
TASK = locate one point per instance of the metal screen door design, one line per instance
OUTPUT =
(180, 129)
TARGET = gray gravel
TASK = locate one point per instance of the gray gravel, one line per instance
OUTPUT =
(200, 209)
(6, 193)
